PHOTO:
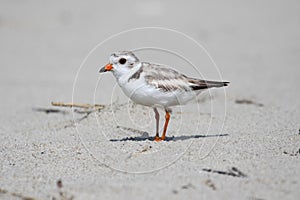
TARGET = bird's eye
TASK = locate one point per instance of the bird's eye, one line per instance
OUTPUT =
(122, 61)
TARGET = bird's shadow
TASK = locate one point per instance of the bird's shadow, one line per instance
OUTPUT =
(145, 137)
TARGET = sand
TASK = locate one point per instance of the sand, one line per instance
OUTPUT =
(239, 143)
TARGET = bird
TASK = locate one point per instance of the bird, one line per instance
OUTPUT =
(155, 85)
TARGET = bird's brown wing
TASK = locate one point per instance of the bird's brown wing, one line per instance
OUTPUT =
(167, 79)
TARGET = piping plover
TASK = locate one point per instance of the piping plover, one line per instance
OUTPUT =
(155, 85)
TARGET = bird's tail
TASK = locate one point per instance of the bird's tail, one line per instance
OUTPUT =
(196, 84)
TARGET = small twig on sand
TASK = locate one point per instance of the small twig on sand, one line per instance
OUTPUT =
(231, 172)
(78, 105)
(14, 194)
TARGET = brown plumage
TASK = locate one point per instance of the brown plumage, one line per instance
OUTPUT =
(167, 79)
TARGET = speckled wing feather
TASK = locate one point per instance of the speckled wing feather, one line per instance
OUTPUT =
(167, 79)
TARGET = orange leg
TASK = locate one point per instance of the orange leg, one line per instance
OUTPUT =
(163, 137)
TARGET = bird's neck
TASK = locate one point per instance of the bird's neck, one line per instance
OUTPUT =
(123, 77)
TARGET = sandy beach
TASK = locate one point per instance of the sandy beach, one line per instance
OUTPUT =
(240, 142)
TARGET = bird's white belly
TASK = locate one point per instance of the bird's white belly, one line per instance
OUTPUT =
(142, 93)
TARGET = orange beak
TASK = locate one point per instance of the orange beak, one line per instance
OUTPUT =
(106, 68)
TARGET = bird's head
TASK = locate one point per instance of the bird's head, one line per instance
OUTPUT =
(120, 63)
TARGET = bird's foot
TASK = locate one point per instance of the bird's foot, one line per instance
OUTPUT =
(158, 139)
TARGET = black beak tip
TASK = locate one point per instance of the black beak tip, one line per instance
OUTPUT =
(102, 70)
